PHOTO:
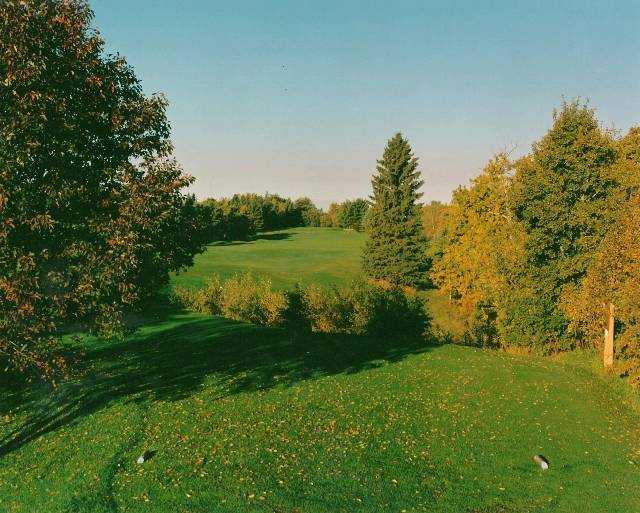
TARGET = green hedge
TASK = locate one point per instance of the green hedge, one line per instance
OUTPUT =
(359, 308)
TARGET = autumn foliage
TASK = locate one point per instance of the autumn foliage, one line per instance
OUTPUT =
(92, 217)
(482, 241)
(534, 251)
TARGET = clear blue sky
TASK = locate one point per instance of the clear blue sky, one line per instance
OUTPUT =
(299, 97)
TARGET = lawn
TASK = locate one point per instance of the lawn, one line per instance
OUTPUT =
(306, 255)
(246, 419)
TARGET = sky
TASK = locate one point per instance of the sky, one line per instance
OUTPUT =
(299, 97)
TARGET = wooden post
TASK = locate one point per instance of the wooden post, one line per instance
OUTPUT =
(608, 338)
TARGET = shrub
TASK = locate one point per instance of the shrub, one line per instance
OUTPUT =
(363, 308)
(360, 308)
(210, 297)
(187, 298)
(326, 309)
(206, 300)
(249, 299)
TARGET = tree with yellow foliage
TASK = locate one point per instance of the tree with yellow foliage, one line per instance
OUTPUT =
(482, 242)
(614, 275)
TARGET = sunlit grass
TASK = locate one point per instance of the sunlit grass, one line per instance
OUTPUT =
(246, 419)
(307, 255)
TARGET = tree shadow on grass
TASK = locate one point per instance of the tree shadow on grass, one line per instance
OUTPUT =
(259, 236)
(173, 362)
(275, 236)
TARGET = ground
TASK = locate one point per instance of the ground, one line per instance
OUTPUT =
(287, 257)
(246, 419)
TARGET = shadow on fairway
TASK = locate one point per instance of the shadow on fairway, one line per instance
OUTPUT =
(274, 236)
(173, 363)
(260, 236)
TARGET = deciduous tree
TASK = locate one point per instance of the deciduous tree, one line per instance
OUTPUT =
(560, 194)
(92, 219)
(482, 244)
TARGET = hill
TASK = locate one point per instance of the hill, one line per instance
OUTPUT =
(246, 419)
(320, 255)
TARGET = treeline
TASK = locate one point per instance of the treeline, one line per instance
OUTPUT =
(534, 251)
(349, 215)
(243, 216)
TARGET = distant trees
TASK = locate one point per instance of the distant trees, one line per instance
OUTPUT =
(310, 214)
(222, 222)
(92, 217)
(395, 250)
(242, 216)
(349, 214)
(435, 216)
(352, 214)
(434, 219)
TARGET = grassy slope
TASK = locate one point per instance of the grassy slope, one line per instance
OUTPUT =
(320, 255)
(249, 419)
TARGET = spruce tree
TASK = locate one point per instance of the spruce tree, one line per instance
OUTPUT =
(395, 250)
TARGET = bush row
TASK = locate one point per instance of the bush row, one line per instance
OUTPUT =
(359, 308)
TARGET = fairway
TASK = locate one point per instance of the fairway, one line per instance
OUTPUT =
(242, 419)
(297, 255)
(246, 419)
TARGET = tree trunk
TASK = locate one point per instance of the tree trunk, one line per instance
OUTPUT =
(608, 339)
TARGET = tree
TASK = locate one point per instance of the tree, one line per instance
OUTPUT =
(613, 277)
(560, 194)
(482, 242)
(395, 250)
(434, 219)
(309, 213)
(352, 213)
(435, 216)
(331, 218)
(243, 215)
(92, 220)
(249, 205)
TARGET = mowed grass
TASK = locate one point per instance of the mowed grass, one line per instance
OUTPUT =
(287, 257)
(247, 419)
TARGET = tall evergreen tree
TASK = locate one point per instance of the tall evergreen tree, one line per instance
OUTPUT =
(396, 247)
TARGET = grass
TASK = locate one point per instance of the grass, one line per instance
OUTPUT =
(247, 419)
(306, 255)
